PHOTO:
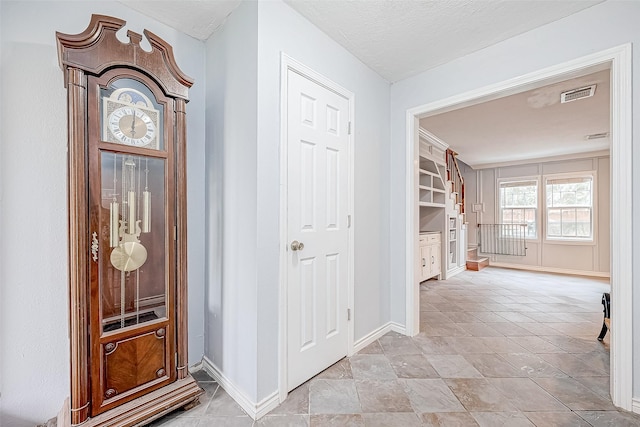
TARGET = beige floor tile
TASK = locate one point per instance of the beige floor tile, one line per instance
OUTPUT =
(431, 395)
(557, 419)
(462, 419)
(453, 366)
(477, 394)
(388, 419)
(336, 420)
(535, 344)
(338, 371)
(382, 396)
(522, 343)
(571, 365)
(506, 419)
(575, 395)
(611, 418)
(392, 344)
(283, 421)
(297, 402)
(412, 366)
(493, 366)
(333, 397)
(526, 395)
(532, 365)
(372, 366)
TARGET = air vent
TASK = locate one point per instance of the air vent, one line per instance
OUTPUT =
(575, 94)
(596, 136)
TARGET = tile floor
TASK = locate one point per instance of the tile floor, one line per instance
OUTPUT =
(497, 347)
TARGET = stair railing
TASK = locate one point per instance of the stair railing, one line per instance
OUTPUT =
(455, 177)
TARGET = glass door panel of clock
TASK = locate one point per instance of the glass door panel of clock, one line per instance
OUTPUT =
(134, 271)
(131, 115)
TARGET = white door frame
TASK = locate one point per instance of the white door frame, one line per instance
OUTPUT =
(289, 64)
(620, 62)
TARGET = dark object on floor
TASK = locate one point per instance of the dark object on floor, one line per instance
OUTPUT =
(606, 301)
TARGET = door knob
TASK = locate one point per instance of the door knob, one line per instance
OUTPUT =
(297, 246)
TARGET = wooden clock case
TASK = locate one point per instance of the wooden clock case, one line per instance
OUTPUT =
(90, 61)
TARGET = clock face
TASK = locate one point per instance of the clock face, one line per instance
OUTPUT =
(131, 118)
(132, 126)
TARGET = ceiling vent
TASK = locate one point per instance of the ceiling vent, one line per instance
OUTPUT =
(575, 94)
(596, 136)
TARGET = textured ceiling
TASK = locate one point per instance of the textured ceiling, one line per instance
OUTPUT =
(528, 125)
(197, 18)
(401, 38)
(395, 38)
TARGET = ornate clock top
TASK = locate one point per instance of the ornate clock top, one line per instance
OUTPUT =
(97, 48)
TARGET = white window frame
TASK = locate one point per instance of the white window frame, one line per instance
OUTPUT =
(522, 179)
(594, 208)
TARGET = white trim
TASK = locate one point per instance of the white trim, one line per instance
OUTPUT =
(621, 237)
(288, 63)
(412, 211)
(620, 61)
(372, 336)
(376, 334)
(433, 139)
(636, 406)
(455, 271)
(543, 269)
(253, 409)
(591, 154)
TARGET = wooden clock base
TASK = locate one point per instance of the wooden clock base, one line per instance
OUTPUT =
(142, 410)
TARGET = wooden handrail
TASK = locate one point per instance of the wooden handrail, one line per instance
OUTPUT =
(456, 179)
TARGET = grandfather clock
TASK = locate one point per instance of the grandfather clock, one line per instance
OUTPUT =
(127, 226)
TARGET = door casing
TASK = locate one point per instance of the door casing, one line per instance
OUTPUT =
(620, 61)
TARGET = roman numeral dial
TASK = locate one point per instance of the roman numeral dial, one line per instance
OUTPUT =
(132, 126)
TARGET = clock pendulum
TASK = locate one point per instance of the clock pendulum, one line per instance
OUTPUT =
(128, 253)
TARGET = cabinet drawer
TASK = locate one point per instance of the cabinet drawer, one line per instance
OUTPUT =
(429, 238)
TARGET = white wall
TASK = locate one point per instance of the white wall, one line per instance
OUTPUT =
(555, 43)
(231, 156)
(251, 202)
(281, 29)
(34, 344)
(567, 257)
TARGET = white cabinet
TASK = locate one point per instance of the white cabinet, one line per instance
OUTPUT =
(429, 255)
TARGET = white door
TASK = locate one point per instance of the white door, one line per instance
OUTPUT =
(317, 193)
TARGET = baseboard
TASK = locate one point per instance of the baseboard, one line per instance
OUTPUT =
(456, 271)
(377, 333)
(635, 405)
(397, 327)
(253, 409)
(551, 269)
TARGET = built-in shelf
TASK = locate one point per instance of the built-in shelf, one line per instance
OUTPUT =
(452, 236)
(430, 184)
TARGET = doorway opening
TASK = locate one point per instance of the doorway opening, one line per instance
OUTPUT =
(619, 61)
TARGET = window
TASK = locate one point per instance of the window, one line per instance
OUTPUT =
(570, 208)
(519, 205)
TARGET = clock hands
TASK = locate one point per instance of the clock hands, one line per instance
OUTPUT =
(133, 125)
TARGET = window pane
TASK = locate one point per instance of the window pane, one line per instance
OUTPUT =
(554, 223)
(583, 220)
(569, 207)
(518, 204)
(568, 222)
